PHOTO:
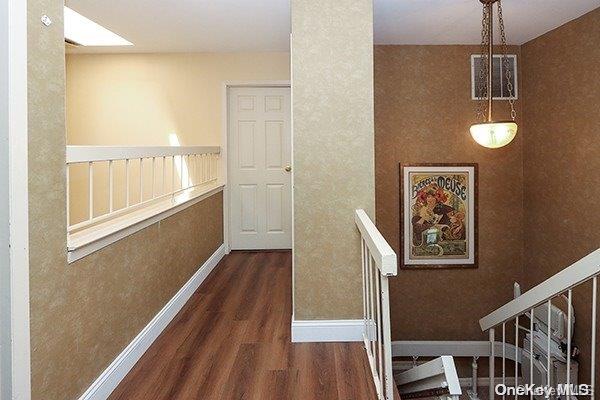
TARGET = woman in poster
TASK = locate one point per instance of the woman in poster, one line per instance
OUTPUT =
(431, 210)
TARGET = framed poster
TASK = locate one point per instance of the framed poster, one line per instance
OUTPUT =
(438, 216)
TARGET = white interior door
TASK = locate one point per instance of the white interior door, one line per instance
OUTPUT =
(260, 168)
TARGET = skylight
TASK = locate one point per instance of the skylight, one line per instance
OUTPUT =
(85, 32)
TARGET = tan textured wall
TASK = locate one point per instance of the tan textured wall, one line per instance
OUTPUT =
(332, 44)
(423, 110)
(561, 89)
(140, 99)
(84, 314)
(49, 287)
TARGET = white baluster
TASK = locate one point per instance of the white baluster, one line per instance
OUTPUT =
(593, 352)
(110, 186)
(368, 299)
(492, 362)
(379, 326)
(68, 169)
(127, 182)
(549, 335)
(189, 171)
(372, 307)
(172, 176)
(474, 377)
(387, 339)
(516, 353)
(181, 171)
(195, 176)
(364, 281)
(504, 355)
(531, 349)
(569, 317)
(91, 189)
(141, 180)
(164, 175)
(153, 174)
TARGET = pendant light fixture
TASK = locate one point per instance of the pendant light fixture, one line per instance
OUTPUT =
(489, 132)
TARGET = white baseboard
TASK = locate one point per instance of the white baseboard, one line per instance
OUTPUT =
(104, 385)
(341, 330)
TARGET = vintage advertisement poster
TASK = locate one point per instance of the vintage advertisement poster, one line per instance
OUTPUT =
(439, 215)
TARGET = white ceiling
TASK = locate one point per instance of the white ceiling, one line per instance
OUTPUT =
(459, 21)
(263, 25)
(192, 25)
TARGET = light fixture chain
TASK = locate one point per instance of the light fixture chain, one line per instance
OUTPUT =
(481, 110)
(509, 85)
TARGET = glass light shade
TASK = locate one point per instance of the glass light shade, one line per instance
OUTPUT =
(494, 134)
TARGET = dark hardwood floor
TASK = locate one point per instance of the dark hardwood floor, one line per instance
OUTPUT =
(232, 341)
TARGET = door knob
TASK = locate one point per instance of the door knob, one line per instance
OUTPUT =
(288, 168)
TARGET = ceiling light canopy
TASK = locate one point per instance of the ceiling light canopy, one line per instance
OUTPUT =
(490, 133)
(85, 32)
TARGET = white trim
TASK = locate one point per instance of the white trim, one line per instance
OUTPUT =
(340, 330)
(104, 385)
(5, 316)
(19, 200)
(293, 175)
(92, 239)
(224, 162)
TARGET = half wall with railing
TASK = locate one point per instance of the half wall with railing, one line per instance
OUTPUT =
(112, 189)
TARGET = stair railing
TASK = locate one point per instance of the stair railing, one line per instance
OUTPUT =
(378, 263)
(529, 305)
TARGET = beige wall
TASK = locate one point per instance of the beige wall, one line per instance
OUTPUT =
(561, 91)
(423, 110)
(332, 48)
(140, 99)
(84, 314)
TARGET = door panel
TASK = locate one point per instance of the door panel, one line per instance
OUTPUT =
(260, 187)
(275, 208)
(249, 218)
(247, 149)
(274, 144)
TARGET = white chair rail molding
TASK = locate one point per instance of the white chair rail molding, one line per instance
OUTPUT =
(113, 191)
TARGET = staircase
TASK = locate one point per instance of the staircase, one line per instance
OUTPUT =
(438, 377)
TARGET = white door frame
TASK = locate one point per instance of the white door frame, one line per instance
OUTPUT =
(225, 146)
(16, 366)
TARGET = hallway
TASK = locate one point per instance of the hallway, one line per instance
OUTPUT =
(232, 341)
